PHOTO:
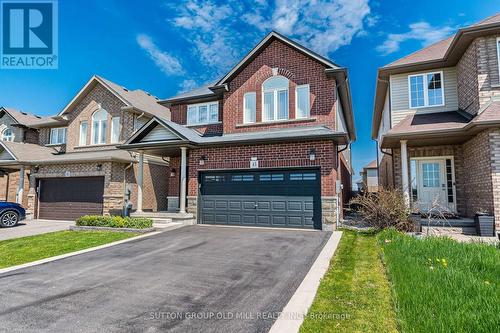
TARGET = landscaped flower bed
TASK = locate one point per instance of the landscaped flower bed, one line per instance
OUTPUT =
(441, 285)
(114, 222)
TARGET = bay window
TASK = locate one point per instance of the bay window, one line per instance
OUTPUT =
(302, 105)
(99, 126)
(202, 114)
(249, 107)
(275, 99)
(58, 136)
(426, 90)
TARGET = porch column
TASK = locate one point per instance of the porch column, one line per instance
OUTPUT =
(20, 186)
(140, 174)
(404, 172)
(182, 191)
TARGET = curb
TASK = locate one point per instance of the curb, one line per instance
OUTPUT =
(71, 254)
(296, 310)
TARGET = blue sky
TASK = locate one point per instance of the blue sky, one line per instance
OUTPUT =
(168, 46)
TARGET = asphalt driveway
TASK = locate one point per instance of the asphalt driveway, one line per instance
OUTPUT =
(192, 279)
(34, 227)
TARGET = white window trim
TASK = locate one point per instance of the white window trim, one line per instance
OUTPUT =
(112, 129)
(426, 93)
(85, 143)
(11, 137)
(498, 57)
(275, 102)
(297, 101)
(245, 110)
(208, 122)
(99, 129)
(51, 136)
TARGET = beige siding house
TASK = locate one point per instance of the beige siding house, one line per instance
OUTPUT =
(437, 123)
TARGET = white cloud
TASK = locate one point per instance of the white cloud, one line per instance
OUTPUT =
(167, 63)
(187, 85)
(421, 31)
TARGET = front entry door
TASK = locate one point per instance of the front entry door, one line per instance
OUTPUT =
(432, 187)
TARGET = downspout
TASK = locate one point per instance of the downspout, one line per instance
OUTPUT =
(337, 199)
(125, 186)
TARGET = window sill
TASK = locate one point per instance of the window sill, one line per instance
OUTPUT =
(54, 144)
(205, 124)
(278, 122)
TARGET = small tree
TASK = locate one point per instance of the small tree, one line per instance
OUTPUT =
(384, 209)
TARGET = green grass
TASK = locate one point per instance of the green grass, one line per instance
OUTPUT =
(354, 295)
(27, 249)
(459, 294)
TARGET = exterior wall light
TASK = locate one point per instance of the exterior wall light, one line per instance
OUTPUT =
(172, 172)
(202, 160)
(99, 167)
(312, 154)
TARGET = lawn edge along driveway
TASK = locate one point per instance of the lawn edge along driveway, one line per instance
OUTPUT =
(355, 294)
(34, 250)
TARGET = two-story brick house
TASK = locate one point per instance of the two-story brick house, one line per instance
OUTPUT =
(437, 122)
(70, 165)
(266, 145)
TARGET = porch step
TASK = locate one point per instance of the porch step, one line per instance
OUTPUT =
(451, 223)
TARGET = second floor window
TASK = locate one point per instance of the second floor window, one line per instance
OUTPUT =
(202, 114)
(275, 99)
(99, 127)
(303, 106)
(7, 135)
(426, 90)
(116, 128)
(58, 136)
(249, 108)
(83, 133)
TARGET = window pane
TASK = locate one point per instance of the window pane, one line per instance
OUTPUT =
(83, 134)
(269, 106)
(203, 114)
(431, 175)
(417, 91)
(115, 130)
(192, 116)
(95, 132)
(276, 83)
(102, 134)
(53, 136)
(303, 106)
(283, 104)
(214, 113)
(434, 89)
(250, 107)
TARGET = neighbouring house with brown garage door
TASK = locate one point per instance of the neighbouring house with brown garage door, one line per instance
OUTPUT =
(268, 144)
(68, 165)
(437, 122)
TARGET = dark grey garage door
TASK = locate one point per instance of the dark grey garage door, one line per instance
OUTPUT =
(277, 198)
(70, 198)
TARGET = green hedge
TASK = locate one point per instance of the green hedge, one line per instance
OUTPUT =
(114, 222)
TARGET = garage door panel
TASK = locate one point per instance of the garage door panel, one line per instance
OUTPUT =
(262, 198)
(70, 198)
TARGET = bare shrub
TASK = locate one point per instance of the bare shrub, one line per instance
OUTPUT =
(384, 209)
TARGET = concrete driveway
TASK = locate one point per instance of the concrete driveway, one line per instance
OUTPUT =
(33, 227)
(192, 279)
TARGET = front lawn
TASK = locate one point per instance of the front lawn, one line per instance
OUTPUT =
(27, 249)
(441, 285)
(354, 295)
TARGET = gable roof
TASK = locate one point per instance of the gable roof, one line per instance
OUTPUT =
(27, 119)
(444, 53)
(371, 165)
(137, 99)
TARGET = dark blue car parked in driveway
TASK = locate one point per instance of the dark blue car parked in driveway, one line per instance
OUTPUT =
(11, 213)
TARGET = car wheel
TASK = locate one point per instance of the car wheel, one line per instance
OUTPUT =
(9, 219)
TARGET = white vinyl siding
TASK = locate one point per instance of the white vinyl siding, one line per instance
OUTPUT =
(58, 135)
(83, 133)
(400, 101)
(498, 56)
(340, 125)
(302, 105)
(115, 129)
(249, 108)
(160, 133)
(203, 114)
